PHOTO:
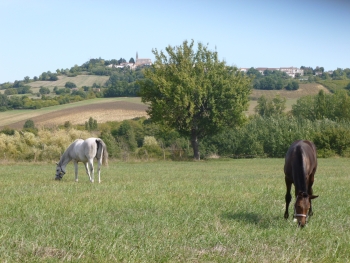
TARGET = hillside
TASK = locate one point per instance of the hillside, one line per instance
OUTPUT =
(80, 81)
(118, 109)
(102, 110)
(291, 96)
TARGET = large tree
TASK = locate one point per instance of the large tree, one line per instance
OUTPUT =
(194, 92)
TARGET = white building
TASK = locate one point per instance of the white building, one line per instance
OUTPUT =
(290, 71)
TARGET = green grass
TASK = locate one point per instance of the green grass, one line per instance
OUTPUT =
(208, 211)
(334, 85)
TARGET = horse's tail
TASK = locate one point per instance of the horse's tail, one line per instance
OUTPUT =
(299, 175)
(104, 150)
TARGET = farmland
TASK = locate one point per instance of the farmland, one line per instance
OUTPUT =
(80, 81)
(103, 110)
(207, 211)
(118, 109)
(291, 96)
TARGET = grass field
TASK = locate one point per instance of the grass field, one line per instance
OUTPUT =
(334, 85)
(207, 211)
(80, 81)
(291, 96)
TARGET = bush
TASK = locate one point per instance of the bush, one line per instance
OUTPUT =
(333, 140)
(29, 124)
(150, 149)
(112, 145)
(70, 85)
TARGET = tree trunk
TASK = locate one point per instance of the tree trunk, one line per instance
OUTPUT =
(195, 145)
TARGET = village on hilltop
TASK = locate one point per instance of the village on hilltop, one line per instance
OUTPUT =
(139, 62)
(290, 71)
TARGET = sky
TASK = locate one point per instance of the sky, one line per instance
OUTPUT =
(38, 36)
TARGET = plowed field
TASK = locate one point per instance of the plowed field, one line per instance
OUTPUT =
(102, 112)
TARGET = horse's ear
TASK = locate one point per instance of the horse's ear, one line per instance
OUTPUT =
(313, 196)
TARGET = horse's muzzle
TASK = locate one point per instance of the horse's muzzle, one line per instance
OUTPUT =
(58, 177)
(300, 224)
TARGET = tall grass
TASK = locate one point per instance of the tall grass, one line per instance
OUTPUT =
(212, 211)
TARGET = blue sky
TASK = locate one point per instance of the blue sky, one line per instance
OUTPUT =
(38, 36)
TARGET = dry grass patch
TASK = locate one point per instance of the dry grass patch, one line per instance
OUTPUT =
(80, 81)
(304, 90)
(291, 96)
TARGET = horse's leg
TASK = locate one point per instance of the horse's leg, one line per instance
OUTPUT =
(91, 166)
(76, 170)
(99, 168)
(288, 197)
(88, 171)
(310, 191)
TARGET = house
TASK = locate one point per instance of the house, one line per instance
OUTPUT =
(290, 71)
(142, 61)
(139, 62)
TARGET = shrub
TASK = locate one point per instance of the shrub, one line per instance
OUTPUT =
(112, 145)
(150, 148)
(333, 140)
(29, 124)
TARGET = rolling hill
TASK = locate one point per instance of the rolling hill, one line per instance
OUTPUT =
(80, 81)
(115, 109)
(102, 110)
(118, 109)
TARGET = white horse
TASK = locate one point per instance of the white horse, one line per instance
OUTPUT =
(83, 151)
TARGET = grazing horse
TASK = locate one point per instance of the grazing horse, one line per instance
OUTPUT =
(83, 151)
(299, 169)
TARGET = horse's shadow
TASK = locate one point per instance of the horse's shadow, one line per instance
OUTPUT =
(250, 218)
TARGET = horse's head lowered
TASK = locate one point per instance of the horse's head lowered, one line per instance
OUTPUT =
(302, 206)
(59, 172)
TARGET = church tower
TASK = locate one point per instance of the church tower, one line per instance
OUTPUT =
(137, 56)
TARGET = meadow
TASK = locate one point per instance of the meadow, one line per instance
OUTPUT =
(225, 210)
(80, 81)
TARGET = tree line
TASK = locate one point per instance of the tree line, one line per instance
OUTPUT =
(194, 94)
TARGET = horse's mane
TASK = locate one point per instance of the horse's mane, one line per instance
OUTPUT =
(66, 152)
(298, 167)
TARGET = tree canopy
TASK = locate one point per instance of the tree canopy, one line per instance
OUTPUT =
(268, 107)
(193, 92)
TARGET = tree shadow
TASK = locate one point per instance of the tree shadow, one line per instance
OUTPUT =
(250, 218)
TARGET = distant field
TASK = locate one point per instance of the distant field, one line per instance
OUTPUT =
(334, 85)
(102, 110)
(291, 96)
(80, 81)
(112, 109)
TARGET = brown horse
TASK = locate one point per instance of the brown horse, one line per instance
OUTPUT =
(299, 169)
